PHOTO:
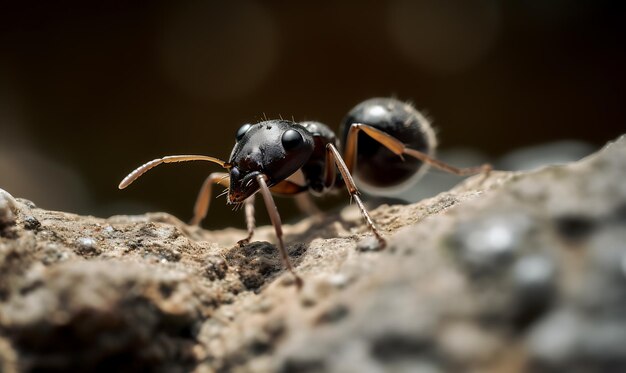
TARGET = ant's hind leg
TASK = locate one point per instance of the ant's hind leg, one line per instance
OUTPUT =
(204, 196)
(485, 168)
(397, 147)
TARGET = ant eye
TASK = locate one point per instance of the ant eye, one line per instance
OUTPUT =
(291, 139)
(242, 131)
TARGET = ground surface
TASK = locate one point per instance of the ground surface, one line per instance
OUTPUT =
(516, 272)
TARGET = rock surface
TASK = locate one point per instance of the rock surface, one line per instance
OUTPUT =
(515, 272)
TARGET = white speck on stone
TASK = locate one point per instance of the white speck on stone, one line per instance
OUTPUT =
(338, 280)
(533, 270)
(494, 239)
(86, 242)
(556, 338)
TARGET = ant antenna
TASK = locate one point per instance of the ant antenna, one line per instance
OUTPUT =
(169, 159)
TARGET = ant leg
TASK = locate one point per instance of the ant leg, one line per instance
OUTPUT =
(397, 147)
(303, 200)
(334, 158)
(307, 206)
(272, 211)
(250, 222)
(201, 207)
(485, 168)
(287, 188)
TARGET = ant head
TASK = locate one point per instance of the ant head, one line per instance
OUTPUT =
(274, 148)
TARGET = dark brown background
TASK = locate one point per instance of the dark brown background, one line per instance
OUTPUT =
(89, 91)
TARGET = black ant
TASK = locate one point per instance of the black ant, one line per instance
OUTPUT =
(268, 155)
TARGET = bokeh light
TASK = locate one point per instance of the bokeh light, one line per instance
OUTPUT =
(218, 50)
(444, 36)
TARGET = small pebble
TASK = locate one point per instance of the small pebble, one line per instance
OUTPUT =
(369, 243)
(533, 272)
(31, 223)
(555, 340)
(534, 284)
(490, 242)
(7, 202)
(87, 246)
(338, 280)
(7, 216)
(215, 268)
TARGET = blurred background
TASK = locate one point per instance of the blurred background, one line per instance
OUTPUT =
(90, 90)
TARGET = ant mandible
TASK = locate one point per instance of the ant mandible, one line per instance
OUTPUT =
(268, 155)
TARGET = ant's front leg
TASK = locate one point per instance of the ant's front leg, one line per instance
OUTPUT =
(272, 211)
(203, 201)
(398, 148)
(333, 158)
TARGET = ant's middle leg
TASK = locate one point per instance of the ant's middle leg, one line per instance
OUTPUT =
(298, 191)
(333, 158)
(398, 148)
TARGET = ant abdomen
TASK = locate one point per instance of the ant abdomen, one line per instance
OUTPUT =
(377, 169)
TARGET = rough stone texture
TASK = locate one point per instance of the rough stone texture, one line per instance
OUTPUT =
(514, 272)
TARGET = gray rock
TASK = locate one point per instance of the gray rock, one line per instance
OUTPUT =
(519, 271)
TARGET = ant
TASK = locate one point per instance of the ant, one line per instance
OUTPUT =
(270, 156)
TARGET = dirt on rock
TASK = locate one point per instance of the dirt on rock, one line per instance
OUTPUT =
(514, 272)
